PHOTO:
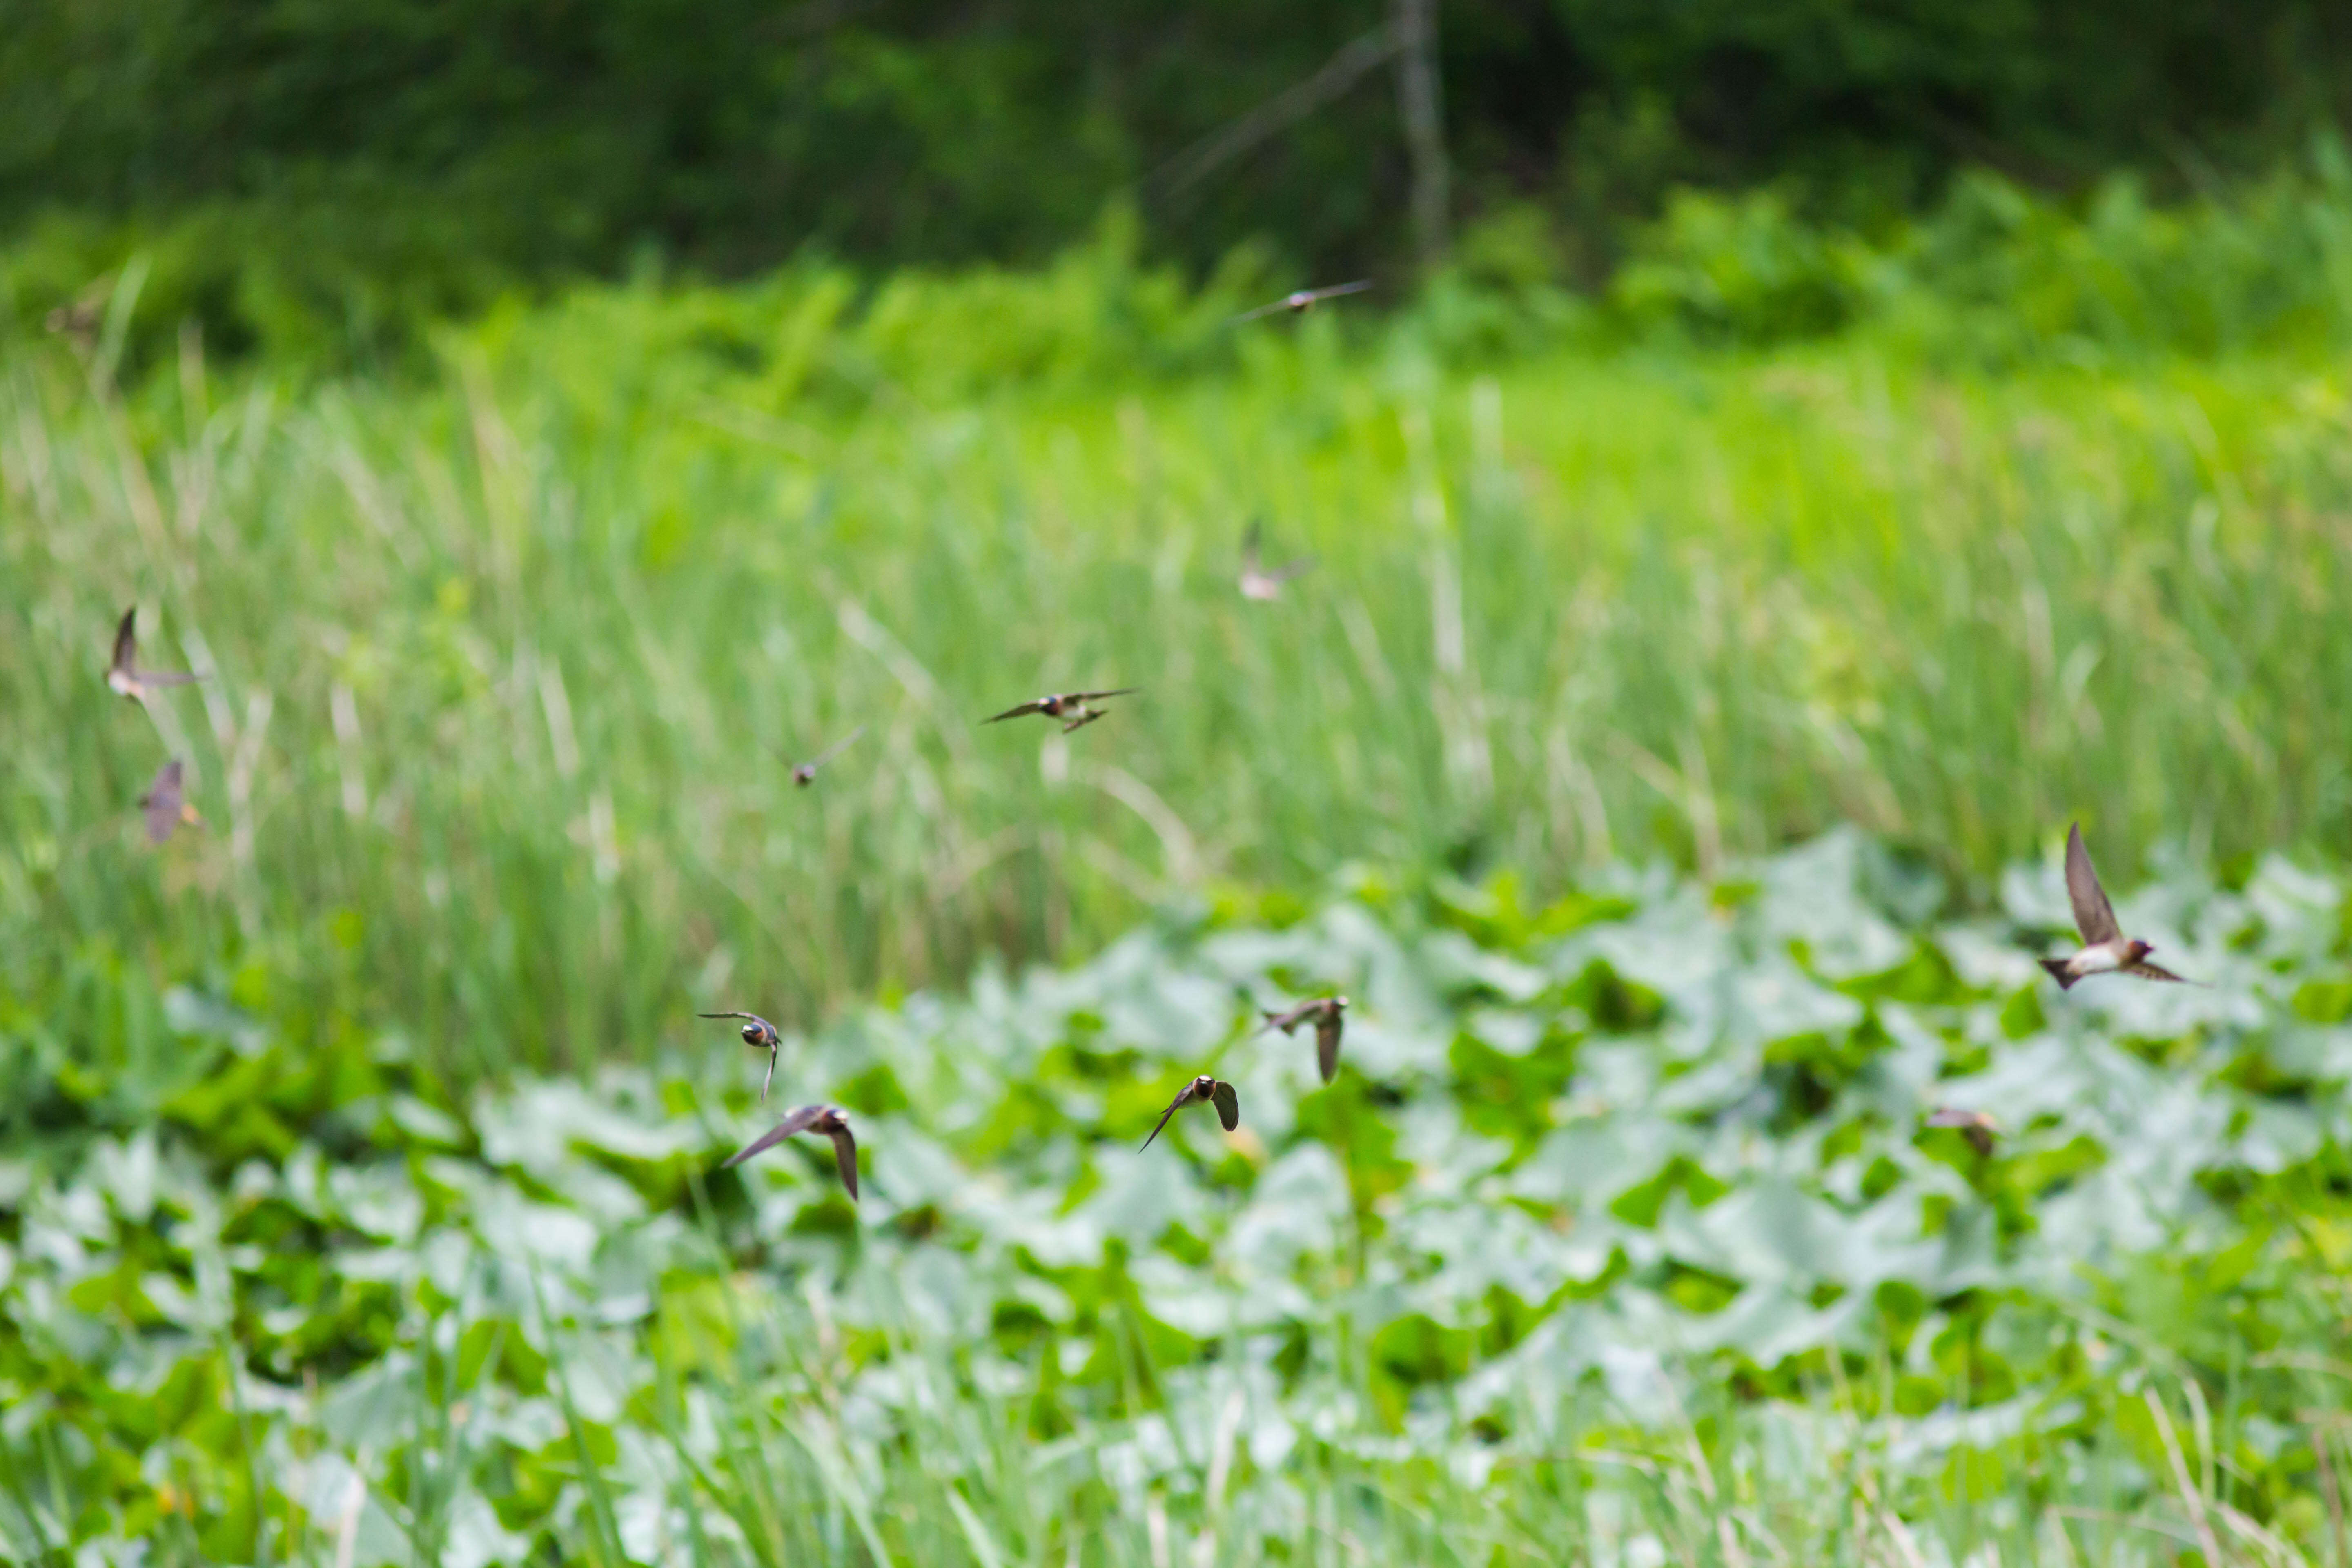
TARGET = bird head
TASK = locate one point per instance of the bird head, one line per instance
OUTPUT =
(1203, 1084)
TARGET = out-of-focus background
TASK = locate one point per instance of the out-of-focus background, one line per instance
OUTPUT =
(1792, 460)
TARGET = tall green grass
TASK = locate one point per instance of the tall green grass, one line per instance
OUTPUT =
(503, 660)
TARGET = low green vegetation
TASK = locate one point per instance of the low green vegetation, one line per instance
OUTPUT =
(1617, 1239)
(360, 1202)
(505, 660)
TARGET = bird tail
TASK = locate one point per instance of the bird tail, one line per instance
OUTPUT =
(2060, 973)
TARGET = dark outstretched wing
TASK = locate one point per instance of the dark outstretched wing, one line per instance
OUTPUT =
(753, 1016)
(844, 1154)
(1085, 718)
(1035, 705)
(2094, 916)
(1099, 696)
(1249, 548)
(1228, 1104)
(1281, 304)
(1183, 1098)
(1326, 1044)
(800, 1120)
(836, 748)
(162, 803)
(2148, 970)
(126, 640)
(1315, 296)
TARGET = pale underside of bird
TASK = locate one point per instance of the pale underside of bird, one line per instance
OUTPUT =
(759, 1034)
(1300, 301)
(123, 675)
(1221, 1095)
(1976, 1126)
(1257, 583)
(805, 774)
(165, 807)
(829, 1119)
(1328, 1012)
(1070, 707)
(2106, 950)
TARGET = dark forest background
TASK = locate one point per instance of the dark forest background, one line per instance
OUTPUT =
(456, 144)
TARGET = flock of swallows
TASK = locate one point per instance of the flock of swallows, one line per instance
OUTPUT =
(2105, 951)
(1072, 711)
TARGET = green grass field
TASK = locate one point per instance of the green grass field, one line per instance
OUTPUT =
(504, 661)
(358, 1199)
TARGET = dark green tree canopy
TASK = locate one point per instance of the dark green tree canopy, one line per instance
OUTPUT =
(727, 134)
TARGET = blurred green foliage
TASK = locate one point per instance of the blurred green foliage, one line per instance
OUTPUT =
(400, 149)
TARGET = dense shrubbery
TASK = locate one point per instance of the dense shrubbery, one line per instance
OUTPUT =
(396, 148)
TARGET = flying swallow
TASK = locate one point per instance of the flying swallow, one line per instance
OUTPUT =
(761, 1035)
(1221, 1095)
(1326, 1011)
(829, 1119)
(805, 774)
(1976, 1126)
(165, 807)
(1069, 706)
(1258, 582)
(124, 677)
(2106, 950)
(1300, 301)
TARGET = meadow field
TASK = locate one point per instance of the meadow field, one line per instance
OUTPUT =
(1667, 750)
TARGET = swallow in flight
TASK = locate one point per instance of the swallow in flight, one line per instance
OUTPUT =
(2106, 950)
(1221, 1095)
(829, 1119)
(761, 1035)
(1326, 1011)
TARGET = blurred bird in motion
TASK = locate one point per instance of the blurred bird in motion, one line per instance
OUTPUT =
(1976, 1126)
(759, 1034)
(166, 809)
(829, 1119)
(1221, 1095)
(2106, 950)
(1257, 583)
(1300, 301)
(124, 677)
(1068, 706)
(805, 774)
(1327, 1013)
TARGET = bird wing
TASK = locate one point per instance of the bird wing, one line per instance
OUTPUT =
(1183, 1096)
(1228, 1104)
(166, 678)
(2148, 970)
(1302, 564)
(1099, 696)
(1035, 705)
(1249, 548)
(1949, 1116)
(753, 1016)
(836, 749)
(1085, 718)
(1326, 1044)
(769, 1082)
(2094, 916)
(126, 640)
(1336, 290)
(1281, 304)
(1286, 1022)
(800, 1120)
(844, 1154)
(162, 803)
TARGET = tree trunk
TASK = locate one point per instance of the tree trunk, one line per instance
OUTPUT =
(1416, 22)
